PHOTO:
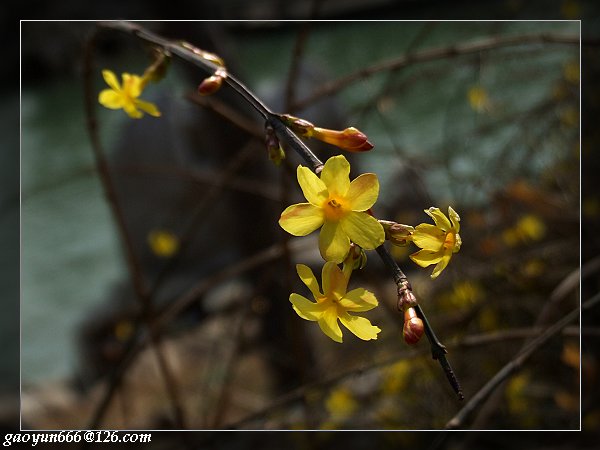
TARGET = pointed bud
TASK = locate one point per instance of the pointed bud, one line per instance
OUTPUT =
(213, 83)
(158, 69)
(356, 258)
(203, 54)
(299, 126)
(274, 150)
(397, 233)
(413, 327)
(349, 139)
(406, 298)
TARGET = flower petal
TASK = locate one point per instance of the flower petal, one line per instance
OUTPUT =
(440, 219)
(110, 99)
(111, 79)
(359, 300)
(363, 192)
(425, 257)
(131, 110)
(305, 308)
(360, 326)
(363, 230)
(441, 265)
(308, 278)
(336, 175)
(329, 325)
(455, 218)
(301, 219)
(333, 280)
(313, 188)
(334, 243)
(132, 85)
(148, 107)
(428, 236)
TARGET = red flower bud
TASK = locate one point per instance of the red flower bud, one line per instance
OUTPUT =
(213, 83)
(349, 139)
(413, 327)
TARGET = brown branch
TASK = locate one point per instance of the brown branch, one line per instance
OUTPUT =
(451, 51)
(133, 264)
(459, 420)
(225, 111)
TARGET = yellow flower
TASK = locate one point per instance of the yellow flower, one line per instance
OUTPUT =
(438, 242)
(341, 404)
(163, 243)
(126, 96)
(335, 303)
(338, 206)
(479, 99)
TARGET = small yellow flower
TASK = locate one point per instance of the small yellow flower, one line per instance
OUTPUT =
(479, 99)
(338, 206)
(437, 242)
(163, 243)
(126, 96)
(341, 404)
(335, 303)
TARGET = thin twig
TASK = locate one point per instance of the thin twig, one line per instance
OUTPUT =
(133, 263)
(458, 421)
(451, 51)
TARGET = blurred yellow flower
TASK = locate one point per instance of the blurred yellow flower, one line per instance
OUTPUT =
(338, 206)
(516, 391)
(528, 228)
(163, 243)
(126, 96)
(464, 293)
(340, 403)
(396, 377)
(335, 303)
(570, 9)
(479, 99)
(437, 242)
(571, 72)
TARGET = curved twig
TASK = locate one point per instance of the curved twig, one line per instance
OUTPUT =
(458, 421)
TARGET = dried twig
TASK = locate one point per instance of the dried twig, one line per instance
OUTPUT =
(459, 420)
(451, 51)
(135, 272)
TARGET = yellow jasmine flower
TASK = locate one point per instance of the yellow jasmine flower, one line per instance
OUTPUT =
(335, 303)
(437, 242)
(126, 96)
(338, 206)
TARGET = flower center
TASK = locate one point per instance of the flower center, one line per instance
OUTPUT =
(334, 209)
(450, 241)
